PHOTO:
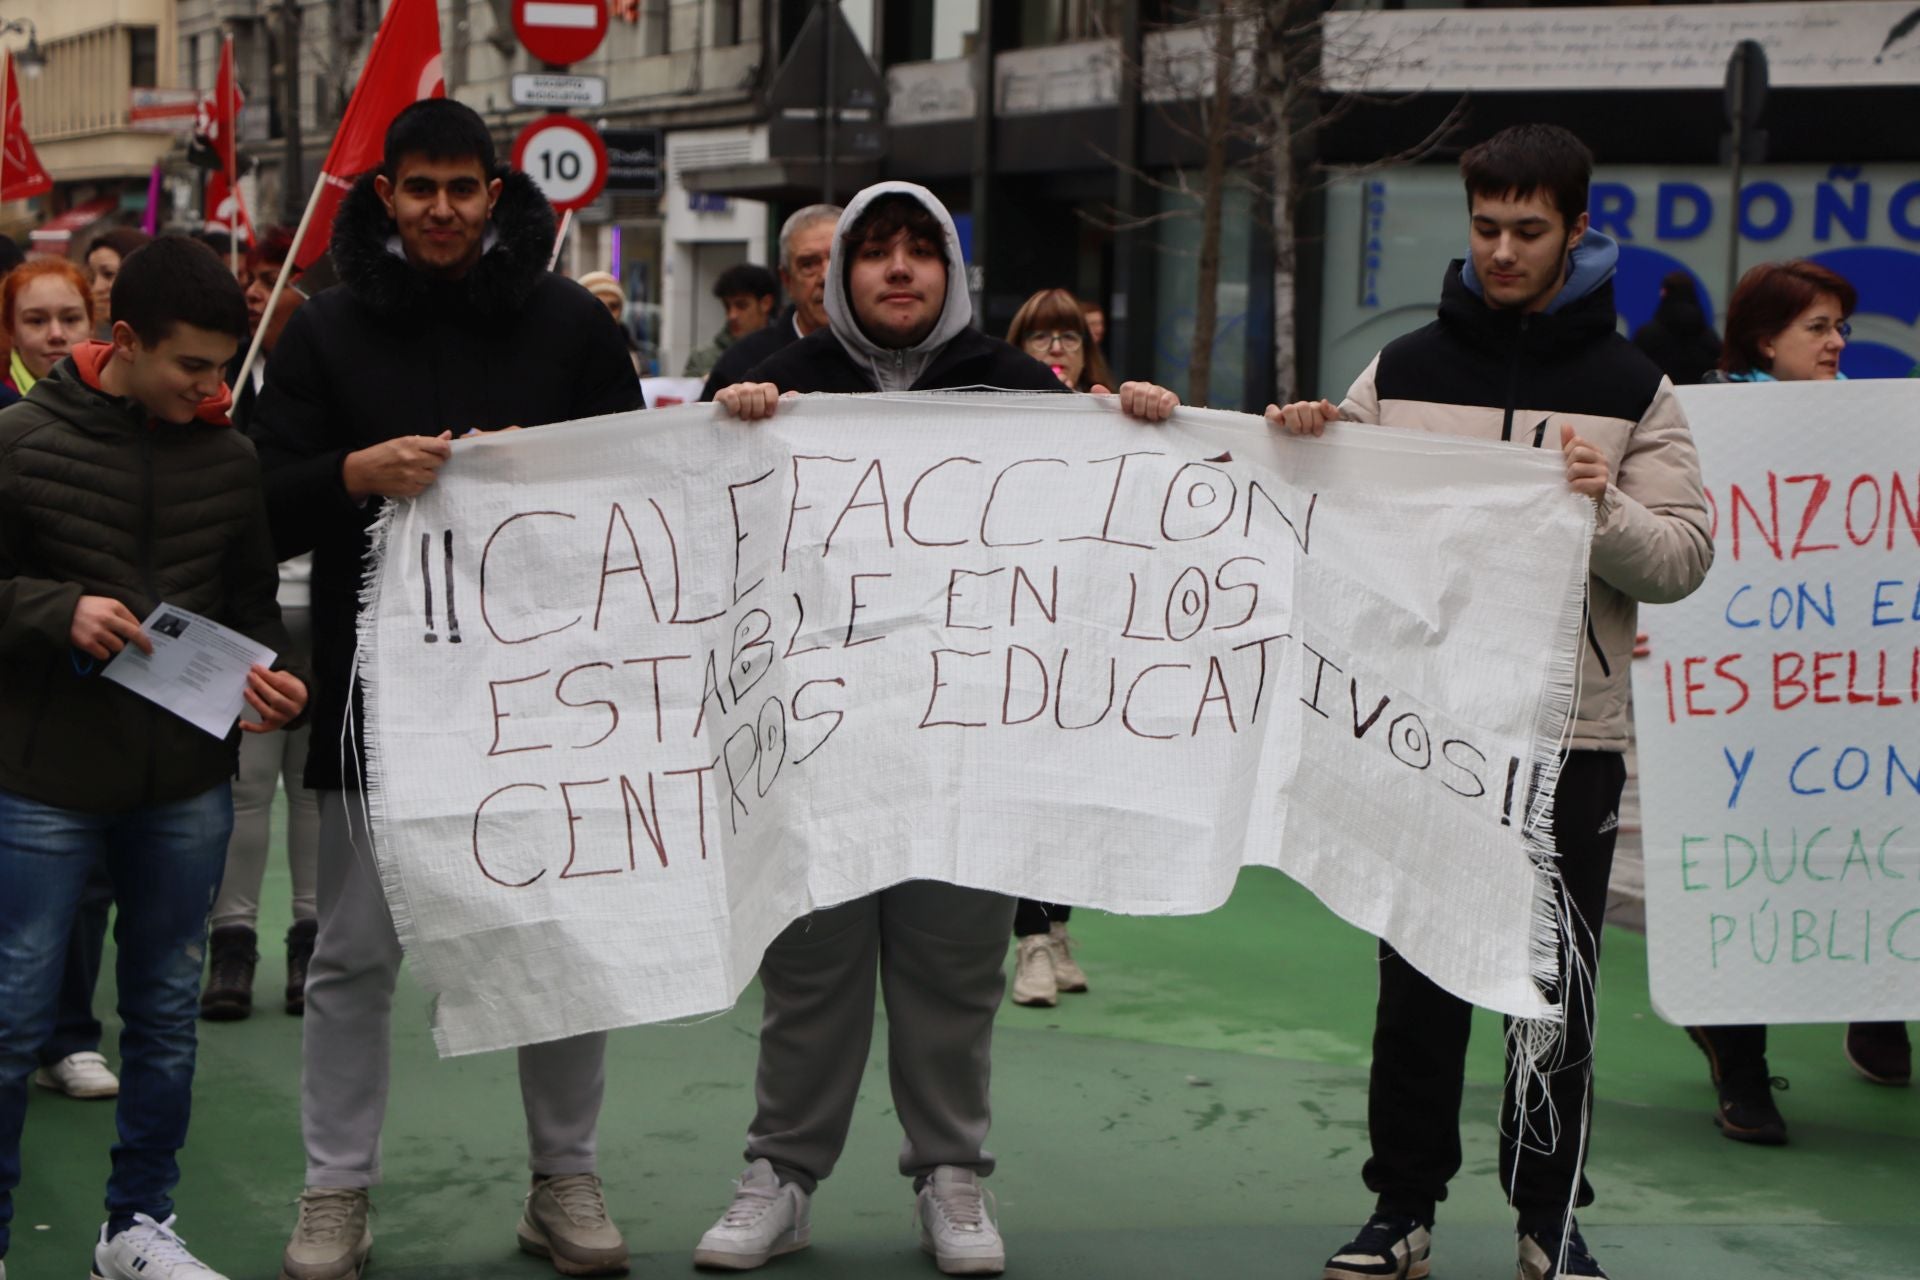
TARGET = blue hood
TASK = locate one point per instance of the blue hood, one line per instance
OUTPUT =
(1592, 263)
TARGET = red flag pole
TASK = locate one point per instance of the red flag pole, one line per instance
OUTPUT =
(279, 286)
(400, 23)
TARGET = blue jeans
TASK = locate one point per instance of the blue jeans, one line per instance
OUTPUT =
(75, 1028)
(166, 863)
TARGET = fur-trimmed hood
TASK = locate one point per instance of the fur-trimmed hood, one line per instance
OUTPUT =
(366, 253)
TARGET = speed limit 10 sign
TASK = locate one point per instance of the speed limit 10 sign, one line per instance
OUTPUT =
(565, 158)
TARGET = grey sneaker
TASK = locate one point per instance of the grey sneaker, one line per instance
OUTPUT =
(566, 1223)
(956, 1224)
(332, 1239)
(1033, 980)
(148, 1250)
(766, 1219)
(1067, 973)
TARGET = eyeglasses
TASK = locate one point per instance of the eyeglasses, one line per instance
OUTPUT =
(1822, 327)
(1069, 339)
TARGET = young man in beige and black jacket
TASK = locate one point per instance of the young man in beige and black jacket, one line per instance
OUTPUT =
(1525, 350)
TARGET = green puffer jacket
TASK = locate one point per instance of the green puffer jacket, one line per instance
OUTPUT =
(96, 498)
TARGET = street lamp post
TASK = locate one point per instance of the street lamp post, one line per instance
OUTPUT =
(31, 61)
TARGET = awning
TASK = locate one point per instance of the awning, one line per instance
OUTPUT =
(56, 234)
(780, 181)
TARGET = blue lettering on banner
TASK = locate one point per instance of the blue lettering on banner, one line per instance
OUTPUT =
(1776, 195)
(1610, 209)
(1829, 208)
(1669, 226)
(1900, 211)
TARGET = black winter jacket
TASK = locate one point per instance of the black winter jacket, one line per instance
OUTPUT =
(96, 499)
(1497, 374)
(739, 359)
(1680, 341)
(392, 352)
(818, 362)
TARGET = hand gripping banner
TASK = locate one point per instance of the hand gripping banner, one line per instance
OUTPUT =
(644, 689)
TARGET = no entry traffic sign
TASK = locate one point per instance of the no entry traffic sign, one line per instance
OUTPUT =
(560, 32)
(565, 158)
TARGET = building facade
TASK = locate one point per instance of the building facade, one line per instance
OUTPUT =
(78, 112)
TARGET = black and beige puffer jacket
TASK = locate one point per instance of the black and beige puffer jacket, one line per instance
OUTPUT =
(1503, 375)
(98, 499)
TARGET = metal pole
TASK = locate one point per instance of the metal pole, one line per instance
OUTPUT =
(294, 178)
(981, 195)
(1737, 84)
(827, 107)
(232, 141)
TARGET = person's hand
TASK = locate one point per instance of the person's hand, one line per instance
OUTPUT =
(277, 696)
(749, 401)
(1641, 648)
(1143, 400)
(1303, 417)
(102, 627)
(477, 431)
(399, 468)
(1587, 471)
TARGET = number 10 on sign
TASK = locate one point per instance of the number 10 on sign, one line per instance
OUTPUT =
(565, 158)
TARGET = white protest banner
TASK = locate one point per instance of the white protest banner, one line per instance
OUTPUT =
(643, 690)
(1779, 716)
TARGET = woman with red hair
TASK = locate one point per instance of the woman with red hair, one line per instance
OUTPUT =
(1787, 322)
(46, 306)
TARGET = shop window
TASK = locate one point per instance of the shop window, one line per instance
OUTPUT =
(143, 45)
(1176, 286)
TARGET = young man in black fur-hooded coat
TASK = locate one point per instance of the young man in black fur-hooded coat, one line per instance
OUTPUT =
(446, 321)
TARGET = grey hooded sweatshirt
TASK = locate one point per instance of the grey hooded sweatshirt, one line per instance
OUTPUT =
(896, 370)
(842, 358)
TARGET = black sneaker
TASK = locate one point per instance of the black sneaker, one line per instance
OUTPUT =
(299, 952)
(1387, 1248)
(228, 995)
(1881, 1052)
(1746, 1111)
(1548, 1253)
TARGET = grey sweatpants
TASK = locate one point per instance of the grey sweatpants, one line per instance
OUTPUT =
(265, 758)
(356, 962)
(941, 953)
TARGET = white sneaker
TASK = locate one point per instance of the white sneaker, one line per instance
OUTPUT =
(79, 1075)
(1067, 974)
(1033, 979)
(766, 1219)
(956, 1224)
(148, 1250)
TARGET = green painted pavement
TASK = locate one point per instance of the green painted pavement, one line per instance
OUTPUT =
(1200, 1113)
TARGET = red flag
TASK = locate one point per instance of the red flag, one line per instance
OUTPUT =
(403, 67)
(226, 114)
(219, 124)
(21, 173)
(227, 208)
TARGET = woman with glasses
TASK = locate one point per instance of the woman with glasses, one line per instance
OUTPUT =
(1787, 322)
(1052, 329)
